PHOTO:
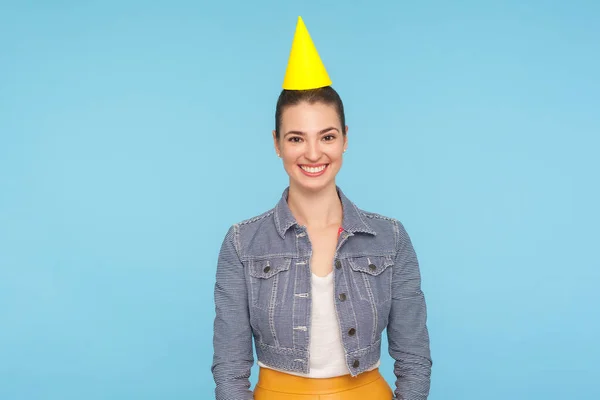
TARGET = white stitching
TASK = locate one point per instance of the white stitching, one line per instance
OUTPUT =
(300, 328)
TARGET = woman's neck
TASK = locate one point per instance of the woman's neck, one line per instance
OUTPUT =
(316, 210)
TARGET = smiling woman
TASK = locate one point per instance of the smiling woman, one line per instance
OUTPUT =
(315, 280)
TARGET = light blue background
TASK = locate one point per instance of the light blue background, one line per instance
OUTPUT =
(133, 134)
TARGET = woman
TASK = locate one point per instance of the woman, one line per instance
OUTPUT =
(316, 280)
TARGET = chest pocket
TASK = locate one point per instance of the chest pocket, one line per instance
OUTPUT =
(373, 277)
(269, 281)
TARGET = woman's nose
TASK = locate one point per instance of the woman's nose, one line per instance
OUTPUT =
(313, 151)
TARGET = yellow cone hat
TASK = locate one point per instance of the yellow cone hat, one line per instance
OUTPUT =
(305, 70)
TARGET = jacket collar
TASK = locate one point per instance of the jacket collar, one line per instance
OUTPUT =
(352, 220)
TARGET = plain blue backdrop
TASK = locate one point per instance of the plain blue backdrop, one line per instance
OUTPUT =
(133, 134)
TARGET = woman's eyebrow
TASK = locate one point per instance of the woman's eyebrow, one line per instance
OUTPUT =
(301, 133)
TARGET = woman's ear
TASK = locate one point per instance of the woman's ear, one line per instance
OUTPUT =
(276, 144)
(346, 138)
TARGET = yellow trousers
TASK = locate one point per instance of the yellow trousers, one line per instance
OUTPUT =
(275, 385)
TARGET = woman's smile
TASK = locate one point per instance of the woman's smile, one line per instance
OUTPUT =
(313, 170)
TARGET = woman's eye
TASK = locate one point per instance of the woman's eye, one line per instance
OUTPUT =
(295, 139)
(329, 137)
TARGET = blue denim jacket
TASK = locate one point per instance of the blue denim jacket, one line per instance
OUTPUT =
(263, 291)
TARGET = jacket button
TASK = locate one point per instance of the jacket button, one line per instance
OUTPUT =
(372, 267)
(267, 269)
(352, 332)
(338, 264)
(355, 364)
(342, 296)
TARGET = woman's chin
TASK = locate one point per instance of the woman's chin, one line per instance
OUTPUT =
(312, 185)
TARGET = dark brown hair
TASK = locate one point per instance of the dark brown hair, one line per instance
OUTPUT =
(326, 95)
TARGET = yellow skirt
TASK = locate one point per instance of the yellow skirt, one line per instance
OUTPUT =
(275, 385)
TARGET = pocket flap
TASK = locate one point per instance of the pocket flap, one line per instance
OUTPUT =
(265, 269)
(371, 265)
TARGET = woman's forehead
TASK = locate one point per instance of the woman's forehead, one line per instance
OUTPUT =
(310, 117)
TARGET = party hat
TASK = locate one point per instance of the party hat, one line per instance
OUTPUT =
(305, 70)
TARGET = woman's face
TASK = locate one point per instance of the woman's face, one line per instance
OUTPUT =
(311, 144)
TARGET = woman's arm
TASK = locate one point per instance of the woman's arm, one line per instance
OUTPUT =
(232, 340)
(407, 332)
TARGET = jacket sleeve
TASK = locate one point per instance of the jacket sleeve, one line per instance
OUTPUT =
(408, 337)
(232, 336)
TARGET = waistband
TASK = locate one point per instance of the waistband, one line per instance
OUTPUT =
(281, 382)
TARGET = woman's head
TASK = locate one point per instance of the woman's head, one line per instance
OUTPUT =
(310, 136)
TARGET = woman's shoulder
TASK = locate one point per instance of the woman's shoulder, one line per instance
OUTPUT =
(384, 224)
(256, 219)
(260, 229)
(378, 216)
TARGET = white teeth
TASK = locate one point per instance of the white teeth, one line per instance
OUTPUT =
(313, 170)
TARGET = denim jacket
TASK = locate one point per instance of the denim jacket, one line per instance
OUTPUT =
(263, 291)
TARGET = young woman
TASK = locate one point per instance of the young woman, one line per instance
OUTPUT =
(315, 280)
